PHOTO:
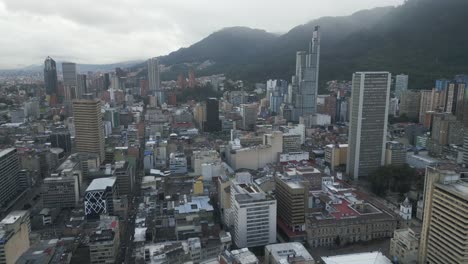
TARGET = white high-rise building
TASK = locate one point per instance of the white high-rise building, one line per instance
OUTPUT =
(153, 74)
(401, 85)
(368, 122)
(254, 214)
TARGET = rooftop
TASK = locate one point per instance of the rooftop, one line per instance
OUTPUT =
(101, 184)
(6, 151)
(198, 203)
(458, 188)
(358, 258)
(283, 251)
(13, 216)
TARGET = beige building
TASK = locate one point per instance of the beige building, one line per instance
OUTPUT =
(89, 134)
(257, 156)
(14, 236)
(444, 235)
(199, 114)
(336, 155)
(404, 246)
(429, 102)
(200, 157)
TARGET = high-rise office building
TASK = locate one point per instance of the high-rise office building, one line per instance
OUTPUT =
(368, 122)
(444, 235)
(305, 82)
(255, 215)
(429, 102)
(60, 192)
(401, 85)
(409, 104)
(153, 74)
(292, 198)
(212, 123)
(249, 115)
(61, 139)
(82, 87)
(99, 196)
(50, 76)
(70, 81)
(9, 169)
(89, 134)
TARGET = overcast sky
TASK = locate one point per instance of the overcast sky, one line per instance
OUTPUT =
(106, 31)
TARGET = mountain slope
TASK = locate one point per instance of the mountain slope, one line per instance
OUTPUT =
(426, 39)
(232, 45)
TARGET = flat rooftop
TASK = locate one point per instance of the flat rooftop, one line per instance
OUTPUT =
(459, 188)
(13, 216)
(282, 252)
(358, 258)
(3, 152)
(101, 184)
(198, 203)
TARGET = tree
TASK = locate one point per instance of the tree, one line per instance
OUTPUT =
(393, 178)
(337, 240)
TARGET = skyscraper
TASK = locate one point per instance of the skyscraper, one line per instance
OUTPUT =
(444, 234)
(305, 83)
(153, 74)
(154, 82)
(212, 123)
(70, 81)
(9, 169)
(50, 76)
(401, 85)
(89, 134)
(368, 122)
(82, 87)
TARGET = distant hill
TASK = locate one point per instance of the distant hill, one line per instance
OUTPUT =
(83, 68)
(426, 39)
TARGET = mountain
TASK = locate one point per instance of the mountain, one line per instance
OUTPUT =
(231, 45)
(426, 39)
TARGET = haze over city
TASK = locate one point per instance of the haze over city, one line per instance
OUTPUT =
(101, 32)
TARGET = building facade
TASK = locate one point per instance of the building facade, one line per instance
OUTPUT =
(444, 235)
(401, 85)
(50, 76)
(14, 236)
(368, 122)
(254, 214)
(89, 134)
(9, 170)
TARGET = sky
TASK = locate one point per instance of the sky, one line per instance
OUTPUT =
(108, 31)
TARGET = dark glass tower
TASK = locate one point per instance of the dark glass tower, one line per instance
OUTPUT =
(50, 76)
(212, 123)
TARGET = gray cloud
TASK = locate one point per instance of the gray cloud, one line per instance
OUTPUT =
(106, 31)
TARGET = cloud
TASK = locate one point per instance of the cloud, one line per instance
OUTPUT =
(106, 31)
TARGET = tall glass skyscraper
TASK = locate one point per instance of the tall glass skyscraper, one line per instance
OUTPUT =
(50, 76)
(305, 82)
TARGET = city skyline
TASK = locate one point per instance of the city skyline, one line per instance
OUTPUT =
(31, 28)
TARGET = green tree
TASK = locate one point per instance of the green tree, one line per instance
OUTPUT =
(393, 178)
